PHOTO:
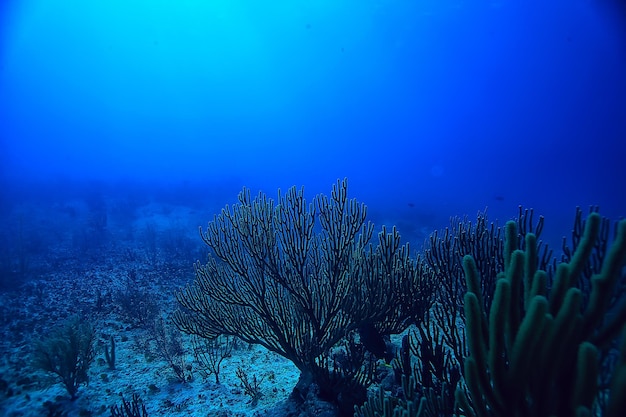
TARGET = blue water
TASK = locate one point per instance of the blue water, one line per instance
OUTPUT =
(126, 124)
(431, 108)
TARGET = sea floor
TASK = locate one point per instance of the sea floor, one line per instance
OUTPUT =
(69, 279)
(30, 311)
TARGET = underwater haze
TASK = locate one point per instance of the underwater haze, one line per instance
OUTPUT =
(445, 107)
(127, 124)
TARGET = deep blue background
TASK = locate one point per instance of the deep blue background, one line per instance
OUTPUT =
(431, 108)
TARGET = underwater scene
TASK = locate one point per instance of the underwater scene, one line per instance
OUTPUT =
(298, 208)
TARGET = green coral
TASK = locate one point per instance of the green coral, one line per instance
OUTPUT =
(67, 352)
(536, 352)
(382, 405)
